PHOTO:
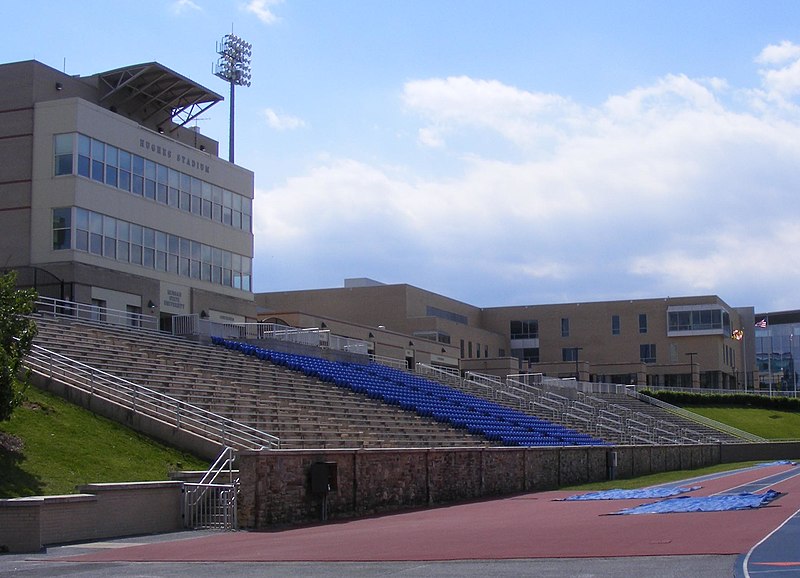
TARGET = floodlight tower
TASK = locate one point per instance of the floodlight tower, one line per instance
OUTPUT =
(233, 65)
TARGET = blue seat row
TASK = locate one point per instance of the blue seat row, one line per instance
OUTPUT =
(428, 398)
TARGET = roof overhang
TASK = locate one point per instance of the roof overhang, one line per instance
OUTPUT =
(152, 91)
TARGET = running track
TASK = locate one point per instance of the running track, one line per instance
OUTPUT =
(521, 527)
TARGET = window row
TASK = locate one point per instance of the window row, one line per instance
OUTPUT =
(448, 315)
(121, 169)
(84, 230)
(529, 329)
(699, 320)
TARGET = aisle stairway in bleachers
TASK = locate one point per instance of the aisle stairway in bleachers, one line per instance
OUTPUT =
(425, 397)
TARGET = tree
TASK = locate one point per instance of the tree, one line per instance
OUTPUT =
(17, 331)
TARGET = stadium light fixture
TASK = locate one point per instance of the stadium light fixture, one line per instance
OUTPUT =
(233, 66)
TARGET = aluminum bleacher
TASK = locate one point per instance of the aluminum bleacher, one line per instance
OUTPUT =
(425, 397)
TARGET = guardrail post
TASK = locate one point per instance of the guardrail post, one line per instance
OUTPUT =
(178, 416)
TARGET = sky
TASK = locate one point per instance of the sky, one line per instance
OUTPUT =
(499, 152)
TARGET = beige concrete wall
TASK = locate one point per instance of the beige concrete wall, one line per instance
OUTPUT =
(101, 511)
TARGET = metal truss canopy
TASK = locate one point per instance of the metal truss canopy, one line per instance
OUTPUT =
(145, 91)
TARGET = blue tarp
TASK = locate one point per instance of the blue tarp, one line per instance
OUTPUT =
(637, 494)
(723, 503)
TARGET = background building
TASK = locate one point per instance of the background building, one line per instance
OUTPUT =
(777, 346)
(669, 342)
(108, 196)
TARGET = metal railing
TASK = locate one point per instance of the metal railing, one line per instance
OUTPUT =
(194, 325)
(209, 505)
(147, 402)
(696, 417)
(94, 313)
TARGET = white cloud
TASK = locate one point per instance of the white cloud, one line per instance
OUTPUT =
(283, 121)
(779, 53)
(671, 188)
(181, 6)
(263, 10)
(780, 78)
(458, 102)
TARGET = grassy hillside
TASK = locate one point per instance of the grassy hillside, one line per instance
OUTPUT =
(50, 446)
(771, 424)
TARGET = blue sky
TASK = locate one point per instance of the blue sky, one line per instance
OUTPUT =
(499, 152)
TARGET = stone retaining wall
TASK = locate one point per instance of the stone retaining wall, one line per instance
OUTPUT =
(276, 484)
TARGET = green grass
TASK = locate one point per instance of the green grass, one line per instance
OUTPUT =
(767, 423)
(660, 478)
(64, 446)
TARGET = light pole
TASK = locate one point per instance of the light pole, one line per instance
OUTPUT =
(691, 355)
(233, 65)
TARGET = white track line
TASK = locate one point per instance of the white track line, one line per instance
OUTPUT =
(764, 539)
(757, 481)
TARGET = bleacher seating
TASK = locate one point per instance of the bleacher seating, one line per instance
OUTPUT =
(302, 411)
(425, 397)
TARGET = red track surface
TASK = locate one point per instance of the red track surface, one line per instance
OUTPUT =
(527, 526)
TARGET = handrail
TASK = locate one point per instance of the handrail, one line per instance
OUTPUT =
(105, 315)
(146, 401)
(696, 417)
(224, 460)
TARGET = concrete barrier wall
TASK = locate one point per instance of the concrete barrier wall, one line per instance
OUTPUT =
(100, 511)
(276, 484)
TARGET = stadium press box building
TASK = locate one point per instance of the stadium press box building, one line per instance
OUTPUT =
(109, 197)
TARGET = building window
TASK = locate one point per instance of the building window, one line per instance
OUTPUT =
(569, 353)
(145, 247)
(438, 336)
(564, 327)
(62, 228)
(698, 320)
(647, 352)
(642, 323)
(124, 170)
(615, 326)
(527, 354)
(134, 315)
(524, 329)
(442, 314)
(98, 311)
(63, 151)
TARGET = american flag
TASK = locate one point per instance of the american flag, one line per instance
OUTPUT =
(762, 324)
